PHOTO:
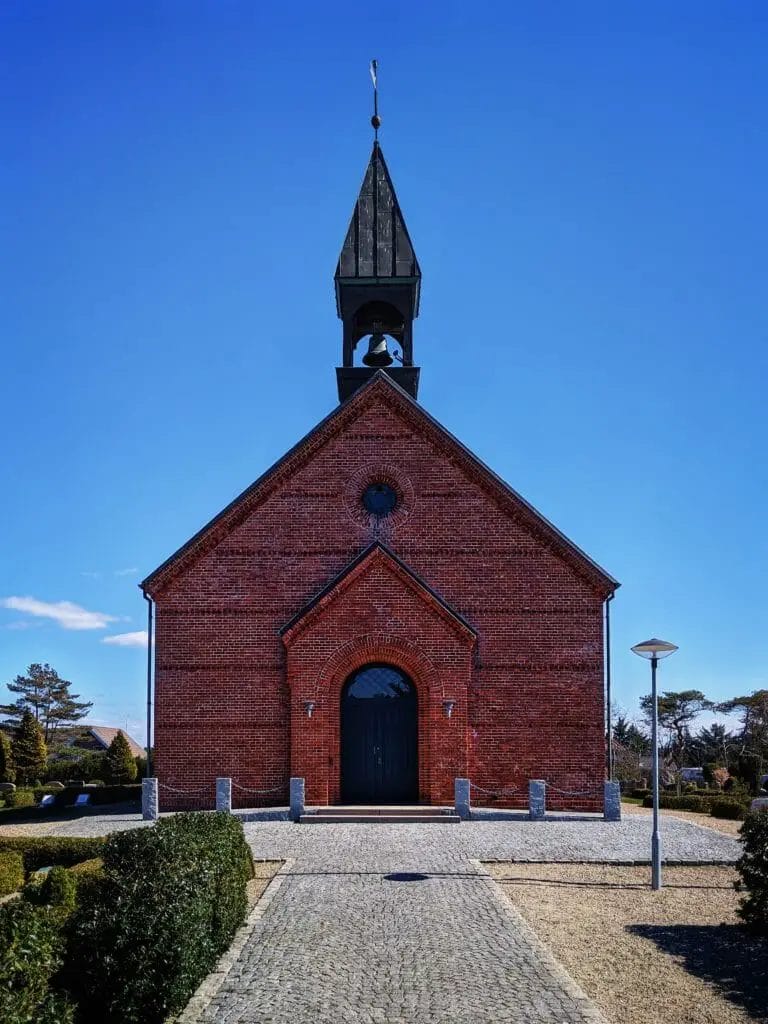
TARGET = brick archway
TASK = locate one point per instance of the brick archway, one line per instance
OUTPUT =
(389, 650)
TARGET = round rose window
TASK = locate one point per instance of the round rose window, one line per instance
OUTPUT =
(379, 499)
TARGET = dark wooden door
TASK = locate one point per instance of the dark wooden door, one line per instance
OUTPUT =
(379, 737)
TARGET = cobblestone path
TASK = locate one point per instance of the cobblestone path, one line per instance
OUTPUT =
(343, 942)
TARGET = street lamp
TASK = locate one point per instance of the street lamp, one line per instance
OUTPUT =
(654, 650)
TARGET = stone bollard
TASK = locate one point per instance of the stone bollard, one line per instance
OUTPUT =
(297, 799)
(537, 799)
(150, 806)
(224, 795)
(461, 799)
(611, 801)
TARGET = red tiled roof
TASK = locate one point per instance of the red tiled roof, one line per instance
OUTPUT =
(105, 734)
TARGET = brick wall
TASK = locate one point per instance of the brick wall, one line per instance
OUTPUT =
(528, 682)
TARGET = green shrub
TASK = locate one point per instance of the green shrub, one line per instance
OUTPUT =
(99, 794)
(88, 765)
(44, 851)
(728, 807)
(87, 867)
(119, 762)
(150, 929)
(692, 802)
(31, 952)
(11, 872)
(50, 790)
(57, 888)
(753, 868)
(640, 794)
(20, 798)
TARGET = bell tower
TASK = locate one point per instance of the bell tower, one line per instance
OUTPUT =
(377, 285)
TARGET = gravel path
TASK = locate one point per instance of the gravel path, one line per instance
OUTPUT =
(673, 957)
(345, 941)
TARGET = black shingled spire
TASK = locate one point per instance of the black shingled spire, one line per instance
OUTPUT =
(377, 280)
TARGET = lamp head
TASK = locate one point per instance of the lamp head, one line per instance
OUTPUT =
(654, 648)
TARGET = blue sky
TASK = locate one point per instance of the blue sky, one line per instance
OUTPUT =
(585, 188)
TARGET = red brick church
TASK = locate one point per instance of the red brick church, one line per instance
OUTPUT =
(379, 613)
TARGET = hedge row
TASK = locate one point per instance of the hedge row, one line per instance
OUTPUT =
(129, 937)
(47, 850)
(99, 795)
(728, 807)
(718, 806)
(753, 868)
(32, 949)
(689, 802)
(20, 798)
(11, 872)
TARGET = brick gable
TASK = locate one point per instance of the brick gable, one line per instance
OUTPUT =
(533, 704)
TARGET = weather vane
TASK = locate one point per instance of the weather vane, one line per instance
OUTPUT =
(375, 120)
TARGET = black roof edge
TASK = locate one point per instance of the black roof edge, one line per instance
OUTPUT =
(318, 597)
(248, 490)
(502, 483)
(380, 374)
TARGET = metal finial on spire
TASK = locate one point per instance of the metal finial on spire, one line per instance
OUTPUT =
(375, 120)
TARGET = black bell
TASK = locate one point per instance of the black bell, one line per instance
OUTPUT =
(378, 353)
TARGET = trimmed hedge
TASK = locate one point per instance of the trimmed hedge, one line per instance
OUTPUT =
(682, 803)
(20, 798)
(99, 794)
(727, 807)
(11, 872)
(87, 867)
(148, 931)
(42, 852)
(57, 889)
(31, 952)
(753, 868)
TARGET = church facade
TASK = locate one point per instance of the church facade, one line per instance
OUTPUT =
(379, 613)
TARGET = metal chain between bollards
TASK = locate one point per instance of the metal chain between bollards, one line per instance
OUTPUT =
(497, 792)
(259, 792)
(184, 792)
(573, 792)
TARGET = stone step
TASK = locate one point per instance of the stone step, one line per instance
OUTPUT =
(355, 810)
(331, 818)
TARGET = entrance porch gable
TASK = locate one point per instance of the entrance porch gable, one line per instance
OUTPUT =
(379, 612)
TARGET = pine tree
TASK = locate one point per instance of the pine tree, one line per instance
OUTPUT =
(120, 763)
(7, 770)
(29, 750)
(43, 692)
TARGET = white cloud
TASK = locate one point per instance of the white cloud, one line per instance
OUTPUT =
(91, 575)
(137, 639)
(126, 572)
(67, 614)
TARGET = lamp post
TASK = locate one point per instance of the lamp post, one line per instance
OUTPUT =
(654, 650)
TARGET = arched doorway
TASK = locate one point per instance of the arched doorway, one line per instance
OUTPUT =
(379, 737)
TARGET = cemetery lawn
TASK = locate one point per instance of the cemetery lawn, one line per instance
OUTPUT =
(678, 956)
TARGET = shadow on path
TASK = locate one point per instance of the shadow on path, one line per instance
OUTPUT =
(727, 956)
